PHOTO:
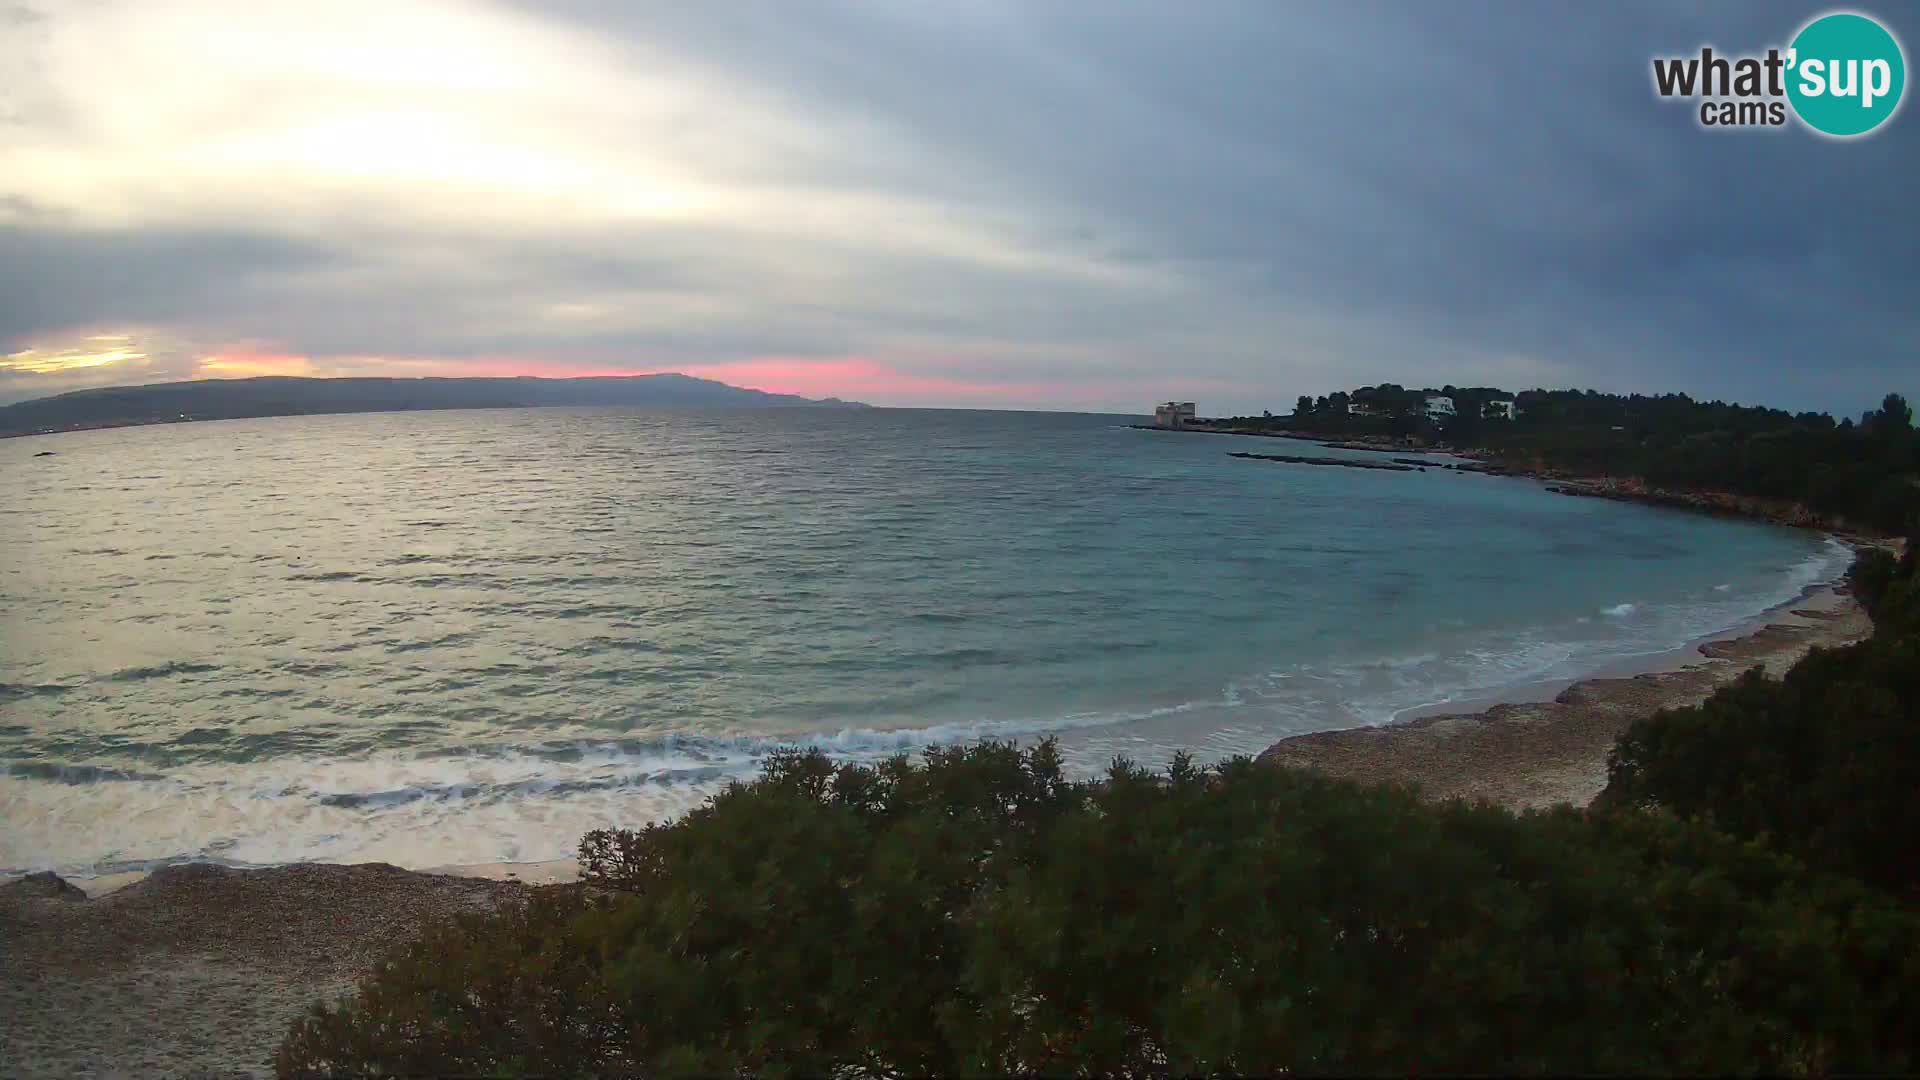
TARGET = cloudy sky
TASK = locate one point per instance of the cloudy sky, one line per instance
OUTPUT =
(1084, 204)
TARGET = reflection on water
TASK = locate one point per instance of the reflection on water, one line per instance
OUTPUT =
(464, 637)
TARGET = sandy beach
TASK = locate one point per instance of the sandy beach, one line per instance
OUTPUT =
(1531, 754)
(197, 970)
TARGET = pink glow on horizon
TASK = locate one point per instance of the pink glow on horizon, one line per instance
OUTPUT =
(919, 379)
(246, 362)
(858, 378)
(249, 361)
(853, 378)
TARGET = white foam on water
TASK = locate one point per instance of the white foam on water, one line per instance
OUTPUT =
(503, 804)
(1294, 701)
(532, 803)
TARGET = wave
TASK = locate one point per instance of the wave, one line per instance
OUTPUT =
(1492, 665)
(16, 691)
(161, 671)
(62, 773)
(532, 799)
(507, 803)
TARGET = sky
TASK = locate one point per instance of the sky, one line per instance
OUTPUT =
(1073, 204)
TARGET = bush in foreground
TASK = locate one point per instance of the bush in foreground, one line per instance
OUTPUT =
(1889, 587)
(979, 913)
(1823, 764)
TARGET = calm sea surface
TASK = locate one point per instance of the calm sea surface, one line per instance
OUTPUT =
(470, 636)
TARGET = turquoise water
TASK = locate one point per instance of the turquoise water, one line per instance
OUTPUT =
(467, 637)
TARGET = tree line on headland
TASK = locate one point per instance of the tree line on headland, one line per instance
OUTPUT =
(281, 395)
(1742, 899)
(1860, 474)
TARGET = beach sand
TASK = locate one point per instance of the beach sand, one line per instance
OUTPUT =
(1532, 754)
(198, 970)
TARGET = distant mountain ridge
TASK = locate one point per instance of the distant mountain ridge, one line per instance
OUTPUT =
(281, 395)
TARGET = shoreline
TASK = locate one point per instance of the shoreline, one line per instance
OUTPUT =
(1534, 746)
(123, 974)
(1821, 614)
(200, 969)
(1825, 607)
(120, 974)
(1726, 504)
(1820, 596)
(544, 872)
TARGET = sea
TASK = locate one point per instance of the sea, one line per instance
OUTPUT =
(469, 637)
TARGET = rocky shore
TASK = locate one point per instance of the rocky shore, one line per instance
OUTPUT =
(1725, 504)
(1560, 482)
(1536, 754)
(1344, 463)
(1375, 444)
(1396, 465)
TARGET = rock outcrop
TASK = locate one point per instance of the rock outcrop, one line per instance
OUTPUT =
(1289, 459)
(45, 885)
(1778, 511)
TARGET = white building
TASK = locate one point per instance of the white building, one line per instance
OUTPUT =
(1173, 414)
(1439, 406)
(1503, 410)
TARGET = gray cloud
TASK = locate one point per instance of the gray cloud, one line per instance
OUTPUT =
(1489, 179)
(61, 277)
(1271, 198)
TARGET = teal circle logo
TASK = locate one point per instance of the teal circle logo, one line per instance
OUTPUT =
(1845, 74)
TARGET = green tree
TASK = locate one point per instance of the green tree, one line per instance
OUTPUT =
(1895, 414)
(979, 913)
(1823, 763)
(1464, 427)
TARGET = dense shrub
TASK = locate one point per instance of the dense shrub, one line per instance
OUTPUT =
(979, 913)
(514, 993)
(1823, 763)
(1889, 588)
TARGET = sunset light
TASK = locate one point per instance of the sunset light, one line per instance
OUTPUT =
(884, 538)
(101, 351)
(479, 186)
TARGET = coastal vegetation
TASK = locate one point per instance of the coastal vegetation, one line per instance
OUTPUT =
(977, 911)
(1861, 474)
(281, 395)
(1823, 764)
(1742, 898)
